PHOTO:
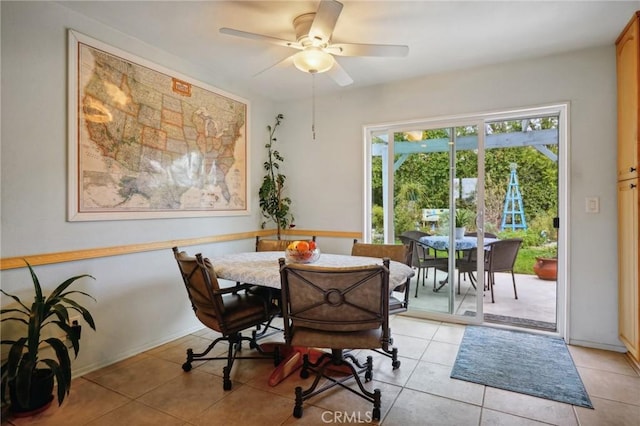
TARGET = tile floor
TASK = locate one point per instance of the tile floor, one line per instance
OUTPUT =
(152, 389)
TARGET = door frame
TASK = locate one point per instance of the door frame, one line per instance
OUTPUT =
(562, 109)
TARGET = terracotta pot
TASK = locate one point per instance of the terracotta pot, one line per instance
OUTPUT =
(546, 268)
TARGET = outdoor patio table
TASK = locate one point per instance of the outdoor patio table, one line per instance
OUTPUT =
(442, 242)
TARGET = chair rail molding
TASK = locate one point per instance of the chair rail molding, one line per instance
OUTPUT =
(93, 253)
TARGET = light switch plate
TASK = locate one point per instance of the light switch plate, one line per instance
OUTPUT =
(592, 205)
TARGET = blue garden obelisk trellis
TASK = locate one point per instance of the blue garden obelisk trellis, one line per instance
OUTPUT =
(513, 207)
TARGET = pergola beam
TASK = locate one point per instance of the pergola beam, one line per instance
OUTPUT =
(535, 138)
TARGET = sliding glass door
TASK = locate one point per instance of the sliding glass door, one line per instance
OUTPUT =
(427, 180)
(498, 177)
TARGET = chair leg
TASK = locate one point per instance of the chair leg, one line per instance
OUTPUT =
(200, 356)
(235, 346)
(297, 409)
(472, 279)
(491, 282)
(337, 358)
(226, 371)
(257, 334)
(390, 353)
(513, 278)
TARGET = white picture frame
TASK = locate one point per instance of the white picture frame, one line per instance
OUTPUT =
(146, 142)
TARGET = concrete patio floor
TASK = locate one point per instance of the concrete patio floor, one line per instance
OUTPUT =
(536, 303)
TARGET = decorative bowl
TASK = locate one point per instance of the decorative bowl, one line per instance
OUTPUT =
(295, 256)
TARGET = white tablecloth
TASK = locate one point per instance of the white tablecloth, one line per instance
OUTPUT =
(262, 268)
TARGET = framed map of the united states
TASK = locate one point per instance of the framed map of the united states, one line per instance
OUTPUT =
(147, 142)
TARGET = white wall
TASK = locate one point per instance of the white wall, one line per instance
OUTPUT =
(140, 299)
(586, 79)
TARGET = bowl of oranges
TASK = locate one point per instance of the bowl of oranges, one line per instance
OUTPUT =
(302, 252)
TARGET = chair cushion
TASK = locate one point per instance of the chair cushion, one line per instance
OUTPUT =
(365, 339)
(241, 311)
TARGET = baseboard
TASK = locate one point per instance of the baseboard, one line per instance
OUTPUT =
(594, 345)
(76, 373)
(635, 364)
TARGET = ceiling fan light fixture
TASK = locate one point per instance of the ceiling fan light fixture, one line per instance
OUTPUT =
(313, 60)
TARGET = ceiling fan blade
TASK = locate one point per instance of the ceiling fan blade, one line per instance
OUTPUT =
(260, 37)
(325, 20)
(280, 64)
(339, 75)
(351, 49)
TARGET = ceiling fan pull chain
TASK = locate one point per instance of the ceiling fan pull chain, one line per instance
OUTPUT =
(313, 105)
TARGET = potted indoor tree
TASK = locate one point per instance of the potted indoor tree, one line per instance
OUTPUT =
(274, 204)
(34, 361)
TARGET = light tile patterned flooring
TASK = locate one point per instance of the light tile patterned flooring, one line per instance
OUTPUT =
(152, 389)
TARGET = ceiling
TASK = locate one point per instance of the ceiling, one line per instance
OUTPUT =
(442, 36)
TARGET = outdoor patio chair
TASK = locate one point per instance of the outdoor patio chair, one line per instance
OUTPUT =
(500, 256)
(467, 259)
(421, 259)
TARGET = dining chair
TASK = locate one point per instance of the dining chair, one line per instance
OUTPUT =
(268, 244)
(273, 294)
(399, 253)
(225, 310)
(339, 309)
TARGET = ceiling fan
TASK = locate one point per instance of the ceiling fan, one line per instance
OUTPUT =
(313, 40)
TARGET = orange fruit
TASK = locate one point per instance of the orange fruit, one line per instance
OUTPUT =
(302, 246)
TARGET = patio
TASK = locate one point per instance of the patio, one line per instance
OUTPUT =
(534, 308)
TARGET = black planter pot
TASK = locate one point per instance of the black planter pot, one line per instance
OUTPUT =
(40, 397)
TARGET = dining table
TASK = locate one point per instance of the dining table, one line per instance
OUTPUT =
(262, 268)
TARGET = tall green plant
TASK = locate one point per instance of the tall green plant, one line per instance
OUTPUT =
(23, 359)
(274, 204)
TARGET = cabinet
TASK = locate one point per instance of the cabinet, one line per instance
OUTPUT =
(628, 292)
(628, 91)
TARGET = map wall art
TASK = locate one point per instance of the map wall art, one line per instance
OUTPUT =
(147, 142)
